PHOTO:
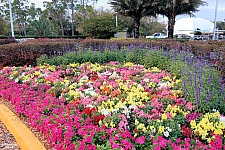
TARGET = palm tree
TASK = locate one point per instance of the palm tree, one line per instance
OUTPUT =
(136, 9)
(42, 28)
(173, 8)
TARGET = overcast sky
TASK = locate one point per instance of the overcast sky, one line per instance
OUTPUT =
(206, 12)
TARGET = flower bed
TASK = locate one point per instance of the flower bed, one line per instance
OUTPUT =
(110, 106)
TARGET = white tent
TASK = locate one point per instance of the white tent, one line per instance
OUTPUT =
(189, 25)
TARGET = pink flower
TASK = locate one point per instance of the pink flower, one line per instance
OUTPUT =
(91, 147)
(140, 140)
(114, 145)
(178, 140)
(157, 148)
(88, 139)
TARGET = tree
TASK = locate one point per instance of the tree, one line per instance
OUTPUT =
(42, 28)
(173, 8)
(33, 13)
(20, 10)
(150, 25)
(2, 26)
(101, 27)
(57, 10)
(220, 25)
(135, 9)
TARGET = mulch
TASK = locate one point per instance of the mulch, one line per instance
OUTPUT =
(7, 141)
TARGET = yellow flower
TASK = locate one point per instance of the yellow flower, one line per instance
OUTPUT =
(152, 127)
(161, 129)
(164, 116)
(112, 124)
(209, 140)
(100, 122)
(193, 124)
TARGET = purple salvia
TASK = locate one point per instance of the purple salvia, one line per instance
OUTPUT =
(189, 59)
(211, 55)
(195, 78)
(200, 80)
(209, 79)
(221, 79)
(131, 46)
(208, 97)
(222, 89)
(197, 95)
(190, 77)
(212, 76)
(185, 87)
(199, 65)
(195, 59)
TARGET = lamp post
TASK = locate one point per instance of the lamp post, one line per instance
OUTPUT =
(11, 20)
(116, 26)
(214, 29)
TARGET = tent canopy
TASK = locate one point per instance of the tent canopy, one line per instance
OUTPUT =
(189, 25)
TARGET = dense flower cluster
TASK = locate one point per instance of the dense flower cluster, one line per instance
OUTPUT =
(110, 106)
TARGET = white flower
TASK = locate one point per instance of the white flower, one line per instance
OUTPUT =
(16, 80)
(105, 112)
(146, 80)
(133, 107)
(166, 134)
(84, 78)
(154, 130)
(169, 129)
(89, 106)
(163, 85)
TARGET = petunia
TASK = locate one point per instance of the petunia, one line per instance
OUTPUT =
(140, 140)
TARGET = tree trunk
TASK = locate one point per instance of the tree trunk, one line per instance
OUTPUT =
(72, 19)
(136, 27)
(61, 24)
(171, 23)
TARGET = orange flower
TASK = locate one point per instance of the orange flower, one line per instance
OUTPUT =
(105, 90)
(65, 90)
(74, 101)
(115, 93)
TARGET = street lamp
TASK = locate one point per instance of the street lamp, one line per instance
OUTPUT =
(214, 29)
(116, 26)
(11, 20)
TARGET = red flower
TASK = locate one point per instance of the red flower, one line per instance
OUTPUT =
(186, 132)
(98, 118)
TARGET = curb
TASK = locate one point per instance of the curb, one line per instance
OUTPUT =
(23, 136)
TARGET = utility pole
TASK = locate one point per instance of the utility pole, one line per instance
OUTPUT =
(214, 29)
(11, 19)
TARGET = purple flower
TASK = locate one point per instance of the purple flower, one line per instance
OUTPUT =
(185, 88)
(197, 95)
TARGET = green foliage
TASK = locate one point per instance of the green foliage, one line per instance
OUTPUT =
(102, 27)
(42, 28)
(2, 26)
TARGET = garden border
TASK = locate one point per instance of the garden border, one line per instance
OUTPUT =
(22, 134)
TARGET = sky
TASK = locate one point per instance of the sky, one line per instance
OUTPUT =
(206, 12)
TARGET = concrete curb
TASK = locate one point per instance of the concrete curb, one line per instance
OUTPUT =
(24, 137)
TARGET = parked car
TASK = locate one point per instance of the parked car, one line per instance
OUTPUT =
(157, 36)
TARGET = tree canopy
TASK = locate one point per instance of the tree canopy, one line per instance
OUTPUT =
(136, 9)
